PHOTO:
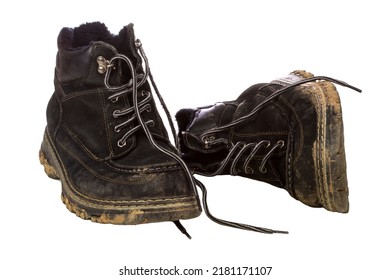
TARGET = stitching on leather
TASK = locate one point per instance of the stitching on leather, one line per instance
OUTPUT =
(161, 200)
(153, 169)
(80, 93)
(289, 162)
(266, 133)
(124, 182)
(138, 206)
(271, 179)
(68, 184)
(75, 138)
(108, 133)
(301, 129)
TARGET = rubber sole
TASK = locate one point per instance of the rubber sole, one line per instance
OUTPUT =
(124, 212)
(328, 151)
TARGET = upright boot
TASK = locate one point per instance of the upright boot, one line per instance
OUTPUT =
(288, 133)
(104, 138)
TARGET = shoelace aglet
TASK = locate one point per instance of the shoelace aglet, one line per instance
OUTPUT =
(280, 231)
(342, 83)
(182, 229)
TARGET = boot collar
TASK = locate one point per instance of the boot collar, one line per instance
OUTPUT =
(79, 48)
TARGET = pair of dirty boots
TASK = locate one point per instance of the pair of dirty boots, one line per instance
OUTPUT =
(107, 144)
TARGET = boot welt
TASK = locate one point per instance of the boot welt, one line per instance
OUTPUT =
(124, 212)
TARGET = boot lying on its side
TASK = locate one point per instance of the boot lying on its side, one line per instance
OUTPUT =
(288, 133)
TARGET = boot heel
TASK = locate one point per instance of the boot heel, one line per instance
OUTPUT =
(49, 169)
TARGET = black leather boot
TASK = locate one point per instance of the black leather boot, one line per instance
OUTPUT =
(288, 133)
(105, 139)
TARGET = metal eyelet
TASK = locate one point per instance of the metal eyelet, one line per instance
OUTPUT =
(249, 170)
(117, 130)
(235, 172)
(113, 100)
(149, 108)
(121, 143)
(103, 64)
(137, 43)
(115, 113)
(264, 144)
(206, 139)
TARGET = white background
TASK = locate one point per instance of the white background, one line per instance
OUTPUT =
(202, 52)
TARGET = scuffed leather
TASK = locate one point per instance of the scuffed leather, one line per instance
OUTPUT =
(291, 118)
(80, 124)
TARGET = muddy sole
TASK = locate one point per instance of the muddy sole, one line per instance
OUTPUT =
(128, 212)
(328, 151)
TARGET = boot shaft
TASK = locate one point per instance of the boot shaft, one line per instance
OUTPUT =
(79, 49)
(81, 92)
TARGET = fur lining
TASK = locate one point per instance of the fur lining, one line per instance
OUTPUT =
(89, 32)
(84, 35)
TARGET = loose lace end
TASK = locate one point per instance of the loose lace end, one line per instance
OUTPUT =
(232, 224)
(182, 229)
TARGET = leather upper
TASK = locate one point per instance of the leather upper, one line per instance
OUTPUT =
(290, 120)
(86, 125)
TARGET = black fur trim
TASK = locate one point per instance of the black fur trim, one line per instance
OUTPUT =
(83, 35)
